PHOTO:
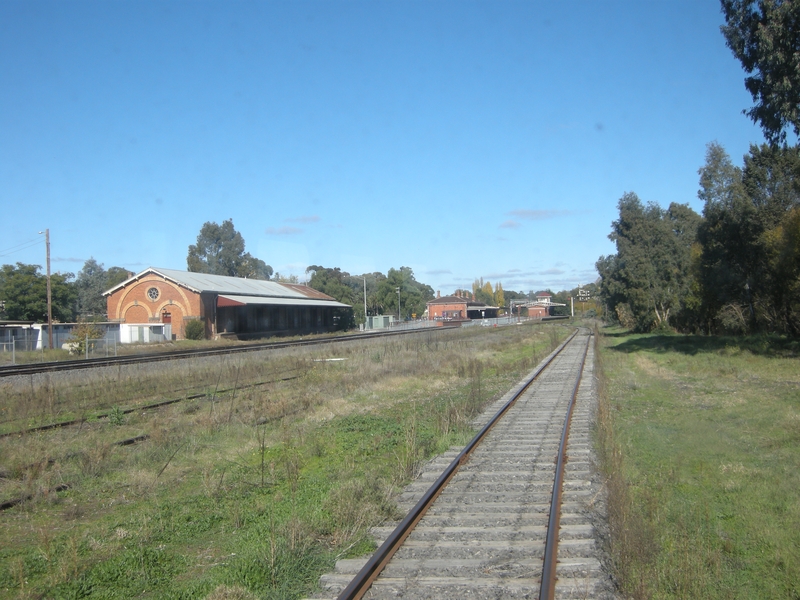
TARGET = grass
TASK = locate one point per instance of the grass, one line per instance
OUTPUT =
(701, 447)
(253, 489)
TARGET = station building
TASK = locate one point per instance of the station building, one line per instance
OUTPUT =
(459, 308)
(228, 306)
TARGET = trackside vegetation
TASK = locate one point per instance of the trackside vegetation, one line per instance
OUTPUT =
(270, 467)
(700, 443)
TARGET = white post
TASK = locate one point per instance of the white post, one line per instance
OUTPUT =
(13, 351)
(572, 305)
(86, 352)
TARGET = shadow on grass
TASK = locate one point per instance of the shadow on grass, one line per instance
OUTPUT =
(770, 346)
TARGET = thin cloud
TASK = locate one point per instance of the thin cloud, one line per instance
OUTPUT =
(537, 215)
(510, 224)
(304, 219)
(439, 272)
(553, 272)
(283, 231)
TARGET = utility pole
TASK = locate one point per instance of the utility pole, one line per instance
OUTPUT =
(365, 301)
(398, 305)
(49, 297)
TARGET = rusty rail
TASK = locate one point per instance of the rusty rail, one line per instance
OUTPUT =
(370, 571)
(548, 588)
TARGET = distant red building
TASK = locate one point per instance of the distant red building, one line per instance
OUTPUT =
(459, 308)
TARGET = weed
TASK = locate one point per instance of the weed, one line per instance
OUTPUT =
(116, 416)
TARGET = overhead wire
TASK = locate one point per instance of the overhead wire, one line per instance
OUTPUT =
(22, 246)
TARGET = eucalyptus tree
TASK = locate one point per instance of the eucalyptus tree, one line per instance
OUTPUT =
(649, 279)
(764, 35)
(413, 295)
(91, 282)
(220, 251)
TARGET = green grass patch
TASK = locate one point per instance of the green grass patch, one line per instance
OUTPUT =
(707, 438)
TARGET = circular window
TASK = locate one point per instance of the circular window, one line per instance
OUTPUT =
(153, 294)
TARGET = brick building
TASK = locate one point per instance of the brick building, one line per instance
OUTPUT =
(459, 308)
(228, 306)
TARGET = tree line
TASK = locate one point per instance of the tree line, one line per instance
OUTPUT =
(736, 267)
(220, 250)
(733, 269)
(23, 292)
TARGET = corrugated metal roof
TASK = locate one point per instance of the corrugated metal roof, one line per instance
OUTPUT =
(220, 284)
(261, 300)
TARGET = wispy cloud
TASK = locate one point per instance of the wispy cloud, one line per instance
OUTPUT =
(439, 272)
(510, 224)
(304, 219)
(537, 215)
(283, 231)
(553, 272)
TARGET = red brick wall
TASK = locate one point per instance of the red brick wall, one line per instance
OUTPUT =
(131, 304)
(437, 310)
(537, 311)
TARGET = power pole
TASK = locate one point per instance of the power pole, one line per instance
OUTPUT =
(49, 296)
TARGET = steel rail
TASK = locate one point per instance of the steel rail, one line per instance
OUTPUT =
(361, 583)
(548, 585)
(143, 407)
(91, 363)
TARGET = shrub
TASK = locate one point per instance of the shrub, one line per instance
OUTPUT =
(80, 334)
(195, 330)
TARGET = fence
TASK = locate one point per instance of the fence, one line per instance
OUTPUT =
(86, 348)
(8, 352)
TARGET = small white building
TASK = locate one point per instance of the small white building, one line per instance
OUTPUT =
(131, 333)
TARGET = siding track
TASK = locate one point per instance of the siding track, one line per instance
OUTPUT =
(486, 532)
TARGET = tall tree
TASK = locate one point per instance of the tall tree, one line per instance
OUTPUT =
(220, 251)
(764, 36)
(90, 284)
(413, 294)
(783, 244)
(23, 290)
(746, 212)
(727, 235)
(648, 280)
(349, 289)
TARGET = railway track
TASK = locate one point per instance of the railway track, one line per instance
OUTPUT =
(493, 520)
(66, 365)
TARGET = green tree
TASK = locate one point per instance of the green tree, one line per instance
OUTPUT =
(349, 289)
(23, 289)
(744, 215)
(220, 251)
(332, 283)
(116, 275)
(413, 294)
(783, 243)
(649, 278)
(764, 35)
(727, 235)
(90, 284)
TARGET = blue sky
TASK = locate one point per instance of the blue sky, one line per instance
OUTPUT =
(461, 139)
